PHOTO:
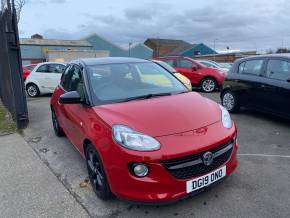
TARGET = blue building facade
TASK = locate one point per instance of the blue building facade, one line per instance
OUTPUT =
(136, 51)
(197, 49)
(35, 50)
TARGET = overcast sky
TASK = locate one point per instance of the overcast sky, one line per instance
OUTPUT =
(239, 24)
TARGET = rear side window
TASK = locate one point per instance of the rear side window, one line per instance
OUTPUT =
(278, 69)
(51, 68)
(170, 62)
(253, 67)
(184, 63)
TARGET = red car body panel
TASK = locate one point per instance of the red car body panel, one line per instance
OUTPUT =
(196, 76)
(184, 124)
(26, 71)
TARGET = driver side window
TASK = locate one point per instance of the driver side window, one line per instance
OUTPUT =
(72, 80)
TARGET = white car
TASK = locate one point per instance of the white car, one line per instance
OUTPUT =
(44, 78)
(212, 64)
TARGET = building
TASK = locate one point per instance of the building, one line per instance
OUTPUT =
(138, 50)
(37, 49)
(170, 47)
(227, 57)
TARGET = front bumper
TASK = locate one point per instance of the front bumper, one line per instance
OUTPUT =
(160, 185)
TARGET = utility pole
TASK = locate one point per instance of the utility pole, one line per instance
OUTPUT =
(214, 41)
(130, 44)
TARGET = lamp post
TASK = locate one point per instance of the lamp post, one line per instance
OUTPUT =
(214, 42)
(130, 44)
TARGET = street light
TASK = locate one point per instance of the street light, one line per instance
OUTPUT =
(214, 41)
(130, 43)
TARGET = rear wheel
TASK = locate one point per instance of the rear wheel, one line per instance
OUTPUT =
(56, 127)
(208, 84)
(97, 174)
(32, 90)
(230, 101)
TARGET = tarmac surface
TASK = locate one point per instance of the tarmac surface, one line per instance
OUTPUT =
(258, 188)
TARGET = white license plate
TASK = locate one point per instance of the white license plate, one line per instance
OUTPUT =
(205, 180)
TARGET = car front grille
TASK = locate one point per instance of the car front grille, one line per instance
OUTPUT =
(193, 166)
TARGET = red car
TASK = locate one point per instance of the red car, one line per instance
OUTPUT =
(207, 78)
(143, 135)
(27, 70)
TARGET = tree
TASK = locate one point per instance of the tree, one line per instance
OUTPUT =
(283, 50)
(19, 4)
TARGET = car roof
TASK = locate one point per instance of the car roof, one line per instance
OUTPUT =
(110, 60)
(280, 55)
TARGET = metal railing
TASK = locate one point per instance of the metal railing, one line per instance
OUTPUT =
(12, 90)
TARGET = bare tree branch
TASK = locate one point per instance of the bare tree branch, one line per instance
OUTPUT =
(19, 4)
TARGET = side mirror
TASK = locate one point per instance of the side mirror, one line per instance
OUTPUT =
(194, 68)
(72, 97)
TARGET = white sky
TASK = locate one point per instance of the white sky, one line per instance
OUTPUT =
(239, 24)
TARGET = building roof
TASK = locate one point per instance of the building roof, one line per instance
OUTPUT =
(167, 42)
(111, 60)
(55, 42)
(180, 50)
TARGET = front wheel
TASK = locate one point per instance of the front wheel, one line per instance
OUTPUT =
(208, 85)
(32, 90)
(230, 101)
(56, 127)
(97, 174)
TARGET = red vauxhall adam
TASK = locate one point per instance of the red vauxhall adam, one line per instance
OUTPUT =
(144, 136)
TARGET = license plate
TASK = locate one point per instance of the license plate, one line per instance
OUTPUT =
(205, 180)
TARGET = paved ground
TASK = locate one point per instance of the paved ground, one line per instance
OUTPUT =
(28, 188)
(259, 187)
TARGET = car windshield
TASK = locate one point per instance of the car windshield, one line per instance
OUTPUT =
(166, 66)
(112, 83)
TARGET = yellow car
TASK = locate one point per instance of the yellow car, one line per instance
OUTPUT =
(179, 76)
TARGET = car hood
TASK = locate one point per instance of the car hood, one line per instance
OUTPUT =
(162, 116)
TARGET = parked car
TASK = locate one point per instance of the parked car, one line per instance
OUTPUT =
(207, 78)
(26, 69)
(179, 76)
(212, 64)
(260, 82)
(44, 78)
(142, 140)
(226, 65)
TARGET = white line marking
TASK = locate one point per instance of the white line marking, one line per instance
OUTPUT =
(265, 155)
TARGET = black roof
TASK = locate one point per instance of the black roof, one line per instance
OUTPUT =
(110, 60)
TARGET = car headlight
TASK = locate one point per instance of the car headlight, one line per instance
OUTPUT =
(133, 140)
(221, 73)
(226, 118)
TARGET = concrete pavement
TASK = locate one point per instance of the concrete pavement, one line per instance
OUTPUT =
(27, 186)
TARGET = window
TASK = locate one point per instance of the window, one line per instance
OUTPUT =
(111, 83)
(72, 80)
(253, 67)
(184, 64)
(51, 68)
(278, 69)
(170, 62)
(43, 69)
(30, 67)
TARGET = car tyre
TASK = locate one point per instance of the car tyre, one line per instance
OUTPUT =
(57, 129)
(97, 175)
(230, 101)
(208, 84)
(32, 90)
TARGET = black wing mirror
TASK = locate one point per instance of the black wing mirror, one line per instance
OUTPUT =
(72, 97)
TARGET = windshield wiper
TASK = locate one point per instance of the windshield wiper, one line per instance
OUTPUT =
(146, 96)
